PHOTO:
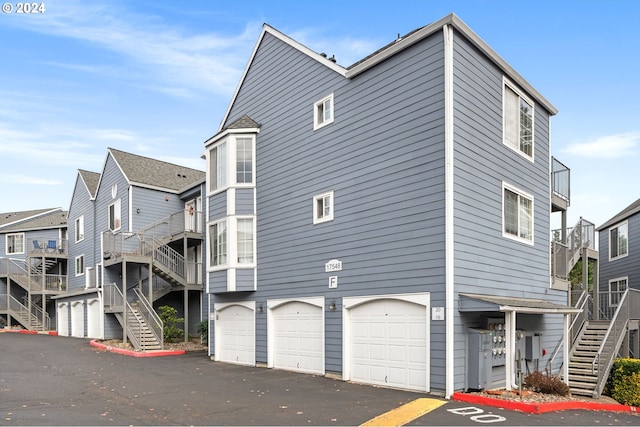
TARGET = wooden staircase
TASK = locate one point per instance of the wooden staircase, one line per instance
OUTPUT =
(582, 379)
(138, 331)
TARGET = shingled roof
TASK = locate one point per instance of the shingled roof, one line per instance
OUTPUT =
(148, 172)
(33, 220)
(91, 180)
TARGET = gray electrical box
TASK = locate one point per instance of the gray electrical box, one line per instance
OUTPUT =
(479, 357)
(532, 347)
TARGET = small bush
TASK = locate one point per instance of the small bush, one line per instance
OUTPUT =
(623, 384)
(548, 384)
(169, 317)
(203, 330)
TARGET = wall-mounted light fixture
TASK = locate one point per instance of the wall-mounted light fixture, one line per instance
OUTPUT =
(332, 306)
(259, 308)
(138, 210)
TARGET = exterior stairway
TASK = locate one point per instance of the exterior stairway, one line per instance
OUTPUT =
(141, 335)
(582, 379)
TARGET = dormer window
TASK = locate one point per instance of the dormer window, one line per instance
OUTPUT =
(323, 112)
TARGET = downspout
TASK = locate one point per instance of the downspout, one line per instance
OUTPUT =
(449, 202)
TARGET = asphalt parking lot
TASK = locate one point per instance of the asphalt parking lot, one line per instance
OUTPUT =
(49, 380)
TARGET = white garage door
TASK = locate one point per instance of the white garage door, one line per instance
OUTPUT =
(77, 319)
(63, 319)
(388, 344)
(93, 318)
(235, 335)
(298, 334)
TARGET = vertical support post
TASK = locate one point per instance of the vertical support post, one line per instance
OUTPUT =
(185, 267)
(566, 342)
(124, 301)
(510, 326)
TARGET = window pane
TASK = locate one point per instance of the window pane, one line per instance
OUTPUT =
(510, 212)
(511, 113)
(213, 169)
(526, 128)
(614, 242)
(244, 160)
(218, 237)
(526, 224)
(622, 239)
(245, 241)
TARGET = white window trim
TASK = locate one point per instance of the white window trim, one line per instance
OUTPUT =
(230, 166)
(75, 265)
(217, 267)
(24, 244)
(316, 106)
(617, 279)
(117, 215)
(316, 219)
(513, 87)
(521, 193)
(610, 243)
(79, 234)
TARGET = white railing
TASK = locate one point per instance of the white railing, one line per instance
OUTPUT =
(628, 307)
(184, 220)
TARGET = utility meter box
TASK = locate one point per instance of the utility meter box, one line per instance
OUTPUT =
(532, 347)
(480, 359)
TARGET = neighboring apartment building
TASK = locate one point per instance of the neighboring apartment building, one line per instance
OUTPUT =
(386, 222)
(619, 240)
(33, 266)
(136, 231)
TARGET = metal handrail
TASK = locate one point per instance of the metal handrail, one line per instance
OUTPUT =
(183, 220)
(583, 316)
(113, 298)
(38, 313)
(151, 317)
(628, 308)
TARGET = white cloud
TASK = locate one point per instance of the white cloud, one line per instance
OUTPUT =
(609, 147)
(24, 179)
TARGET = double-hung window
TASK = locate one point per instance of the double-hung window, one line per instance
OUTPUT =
(244, 240)
(80, 265)
(323, 207)
(517, 207)
(617, 287)
(619, 241)
(232, 162)
(218, 243)
(115, 216)
(15, 243)
(518, 113)
(323, 112)
(79, 229)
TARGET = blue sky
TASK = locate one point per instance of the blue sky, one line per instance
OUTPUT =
(155, 77)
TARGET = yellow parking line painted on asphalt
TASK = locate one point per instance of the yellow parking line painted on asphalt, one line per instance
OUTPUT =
(405, 413)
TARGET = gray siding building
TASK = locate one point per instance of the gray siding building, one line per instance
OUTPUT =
(372, 221)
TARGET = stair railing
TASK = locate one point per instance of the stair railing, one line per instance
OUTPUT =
(151, 317)
(38, 313)
(21, 312)
(628, 308)
(577, 324)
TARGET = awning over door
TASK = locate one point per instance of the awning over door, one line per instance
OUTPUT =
(476, 302)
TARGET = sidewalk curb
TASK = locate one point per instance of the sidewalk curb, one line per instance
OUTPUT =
(540, 408)
(29, 332)
(133, 353)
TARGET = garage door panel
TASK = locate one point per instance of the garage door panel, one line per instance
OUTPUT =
(388, 343)
(236, 335)
(298, 337)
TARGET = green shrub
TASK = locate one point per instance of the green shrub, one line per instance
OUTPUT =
(169, 317)
(548, 384)
(203, 330)
(623, 384)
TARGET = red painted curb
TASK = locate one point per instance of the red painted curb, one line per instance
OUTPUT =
(28, 332)
(132, 353)
(539, 408)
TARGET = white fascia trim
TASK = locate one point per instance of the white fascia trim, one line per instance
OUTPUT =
(291, 42)
(317, 301)
(221, 135)
(449, 213)
(452, 20)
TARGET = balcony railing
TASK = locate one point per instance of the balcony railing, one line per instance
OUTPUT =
(560, 179)
(181, 221)
(44, 246)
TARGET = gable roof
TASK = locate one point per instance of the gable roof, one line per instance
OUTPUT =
(151, 173)
(243, 124)
(91, 180)
(630, 210)
(391, 49)
(33, 220)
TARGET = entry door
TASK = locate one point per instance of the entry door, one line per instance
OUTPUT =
(388, 344)
(63, 319)
(77, 319)
(93, 318)
(298, 330)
